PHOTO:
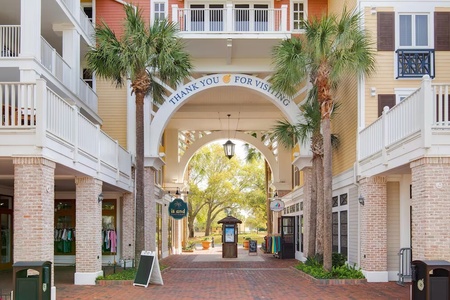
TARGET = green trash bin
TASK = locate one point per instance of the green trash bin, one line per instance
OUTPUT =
(32, 280)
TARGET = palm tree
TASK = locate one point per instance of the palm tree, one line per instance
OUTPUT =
(309, 130)
(140, 55)
(331, 49)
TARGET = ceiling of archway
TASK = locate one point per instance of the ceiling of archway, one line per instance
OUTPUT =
(208, 110)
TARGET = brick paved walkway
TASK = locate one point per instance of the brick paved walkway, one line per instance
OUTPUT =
(190, 277)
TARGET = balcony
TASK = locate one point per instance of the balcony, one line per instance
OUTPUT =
(417, 126)
(77, 13)
(415, 63)
(230, 20)
(35, 117)
(50, 60)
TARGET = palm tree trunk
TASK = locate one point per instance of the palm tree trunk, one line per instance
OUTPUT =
(328, 177)
(311, 247)
(140, 213)
(320, 206)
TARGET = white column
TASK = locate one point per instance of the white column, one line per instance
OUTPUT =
(30, 23)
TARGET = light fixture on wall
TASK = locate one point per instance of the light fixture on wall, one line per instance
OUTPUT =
(100, 197)
(373, 91)
(373, 10)
(228, 147)
(361, 199)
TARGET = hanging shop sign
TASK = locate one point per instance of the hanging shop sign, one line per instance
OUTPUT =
(178, 209)
(276, 205)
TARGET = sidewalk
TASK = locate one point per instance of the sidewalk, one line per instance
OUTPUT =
(204, 274)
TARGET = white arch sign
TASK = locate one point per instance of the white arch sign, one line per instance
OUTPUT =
(184, 92)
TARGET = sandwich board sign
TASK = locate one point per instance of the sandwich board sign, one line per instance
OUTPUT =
(148, 270)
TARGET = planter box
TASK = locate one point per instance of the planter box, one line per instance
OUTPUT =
(331, 281)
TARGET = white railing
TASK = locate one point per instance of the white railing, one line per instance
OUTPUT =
(9, 40)
(425, 110)
(18, 104)
(86, 24)
(230, 19)
(87, 95)
(74, 8)
(22, 107)
(53, 62)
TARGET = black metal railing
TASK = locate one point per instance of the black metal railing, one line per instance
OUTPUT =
(415, 63)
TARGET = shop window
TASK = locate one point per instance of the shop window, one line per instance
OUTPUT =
(109, 233)
(64, 235)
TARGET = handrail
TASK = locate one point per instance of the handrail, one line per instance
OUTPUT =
(404, 269)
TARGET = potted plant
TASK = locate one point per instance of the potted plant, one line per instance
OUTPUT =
(246, 242)
(206, 243)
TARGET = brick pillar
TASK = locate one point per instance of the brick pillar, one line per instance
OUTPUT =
(128, 219)
(34, 209)
(431, 208)
(150, 210)
(88, 257)
(308, 244)
(374, 227)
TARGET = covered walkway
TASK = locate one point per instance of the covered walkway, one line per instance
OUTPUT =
(203, 274)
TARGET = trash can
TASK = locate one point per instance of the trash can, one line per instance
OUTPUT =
(32, 280)
(430, 280)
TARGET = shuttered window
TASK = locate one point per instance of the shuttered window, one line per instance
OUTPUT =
(442, 31)
(385, 100)
(386, 31)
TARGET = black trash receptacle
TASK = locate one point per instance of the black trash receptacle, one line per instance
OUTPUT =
(32, 280)
(430, 280)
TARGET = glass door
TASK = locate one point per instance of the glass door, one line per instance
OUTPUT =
(6, 214)
(287, 237)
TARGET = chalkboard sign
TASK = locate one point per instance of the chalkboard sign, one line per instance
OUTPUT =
(252, 246)
(145, 268)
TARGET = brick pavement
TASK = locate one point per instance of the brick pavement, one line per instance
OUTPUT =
(189, 278)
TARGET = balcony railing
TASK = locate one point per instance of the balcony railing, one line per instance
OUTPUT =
(74, 8)
(230, 20)
(35, 106)
(54, 63)
(9, 40)
(415, 63)
(87, 95)
(423, 113)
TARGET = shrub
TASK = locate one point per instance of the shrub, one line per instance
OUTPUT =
(314, 267)
(338, 259)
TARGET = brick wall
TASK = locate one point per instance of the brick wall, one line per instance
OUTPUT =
(374, 224)
(33, 209)
(128, 219)
(88, 225)
(431, 208)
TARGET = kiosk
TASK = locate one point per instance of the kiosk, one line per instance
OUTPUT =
(229, 236)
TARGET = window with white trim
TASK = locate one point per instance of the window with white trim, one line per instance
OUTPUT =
(340, 224)
(413, 30)
(159, 11)
(298, 15)
(402, 93)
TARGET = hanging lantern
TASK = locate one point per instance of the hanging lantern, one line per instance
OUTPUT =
(228, 148)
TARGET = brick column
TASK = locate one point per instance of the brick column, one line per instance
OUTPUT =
(128, 219)
(308, 243)
(431, 208)
(88, 230)
(34, 209)
(374, 228)
(150, 210)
